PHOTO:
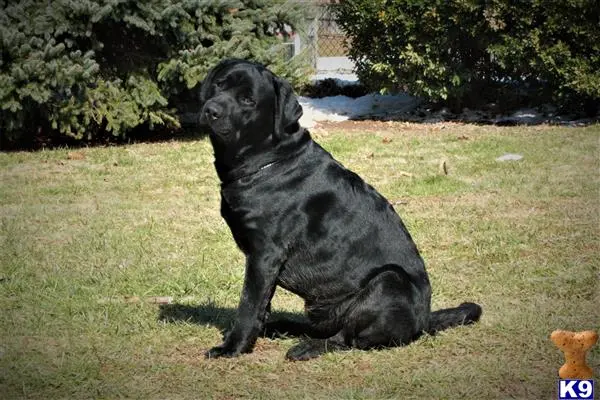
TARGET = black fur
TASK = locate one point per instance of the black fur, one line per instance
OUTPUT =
(311, 226)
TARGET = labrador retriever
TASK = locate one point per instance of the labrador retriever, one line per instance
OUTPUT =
(309, 225)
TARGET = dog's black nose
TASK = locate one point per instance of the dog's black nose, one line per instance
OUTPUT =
(213, 111)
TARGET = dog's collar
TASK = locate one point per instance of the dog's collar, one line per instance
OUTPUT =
(239, 173)
(237, 177)
(267, 166)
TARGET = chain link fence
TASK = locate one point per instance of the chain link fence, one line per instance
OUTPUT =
(321, 40)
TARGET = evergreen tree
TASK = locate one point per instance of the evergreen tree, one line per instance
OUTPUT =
(81, 67)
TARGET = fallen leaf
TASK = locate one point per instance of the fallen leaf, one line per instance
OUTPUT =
(444, 167)
(75, 155)
(399, 202)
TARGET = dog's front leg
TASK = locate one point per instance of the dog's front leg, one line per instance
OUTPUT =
(259, 286)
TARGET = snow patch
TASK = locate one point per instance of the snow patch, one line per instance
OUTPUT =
(341, 108)
(403, 107)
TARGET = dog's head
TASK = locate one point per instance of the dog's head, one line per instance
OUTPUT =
(245, 105)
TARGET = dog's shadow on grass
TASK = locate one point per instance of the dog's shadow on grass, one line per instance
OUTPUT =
(204, 314)
(211, 314)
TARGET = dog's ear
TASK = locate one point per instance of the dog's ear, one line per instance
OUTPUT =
(287, 109)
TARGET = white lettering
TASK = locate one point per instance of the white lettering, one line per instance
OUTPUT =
(566, 389)
(585, 389)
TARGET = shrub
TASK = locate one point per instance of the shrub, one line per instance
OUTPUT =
(470, 51)
(332, 87)
(83, 67)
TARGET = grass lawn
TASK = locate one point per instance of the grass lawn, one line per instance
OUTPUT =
(88, 237)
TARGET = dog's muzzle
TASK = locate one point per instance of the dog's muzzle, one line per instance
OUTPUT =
(212, 112)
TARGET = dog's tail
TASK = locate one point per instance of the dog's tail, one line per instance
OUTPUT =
(464, 314)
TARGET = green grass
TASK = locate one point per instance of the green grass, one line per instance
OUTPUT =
(81, 230)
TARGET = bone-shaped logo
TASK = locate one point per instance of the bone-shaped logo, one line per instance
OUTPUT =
(575, 345)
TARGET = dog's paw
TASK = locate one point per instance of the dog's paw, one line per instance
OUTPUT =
(305, 350)
(225, 334)
(221, 351)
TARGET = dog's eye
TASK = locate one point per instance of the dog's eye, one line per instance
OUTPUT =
(220, 84)
(247, 100)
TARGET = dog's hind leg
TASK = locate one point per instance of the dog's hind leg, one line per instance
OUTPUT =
(384, 313)
(311, 348)
(389, 311)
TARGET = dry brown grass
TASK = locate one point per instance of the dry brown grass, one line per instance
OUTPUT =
(80, 227)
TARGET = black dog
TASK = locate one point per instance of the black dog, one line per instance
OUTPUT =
(311, 226)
